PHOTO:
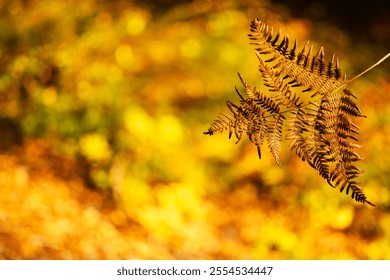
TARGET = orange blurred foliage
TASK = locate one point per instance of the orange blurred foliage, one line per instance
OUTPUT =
(102, 156)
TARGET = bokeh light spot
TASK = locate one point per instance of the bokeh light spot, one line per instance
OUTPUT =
(190, 48)
(124, 56)
(95, 147)
(49, 96)
(170, 129)
(136, 24)
(138, 122)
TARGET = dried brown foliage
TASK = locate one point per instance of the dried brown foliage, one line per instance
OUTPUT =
(320, 127)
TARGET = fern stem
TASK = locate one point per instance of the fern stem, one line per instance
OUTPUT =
(368, 69)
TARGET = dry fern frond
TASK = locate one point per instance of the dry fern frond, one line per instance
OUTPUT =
(321, 129)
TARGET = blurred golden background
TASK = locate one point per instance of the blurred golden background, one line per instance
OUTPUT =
(102, 156)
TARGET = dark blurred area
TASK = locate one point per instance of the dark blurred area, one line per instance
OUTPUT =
(364, 21)
(102, 156)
